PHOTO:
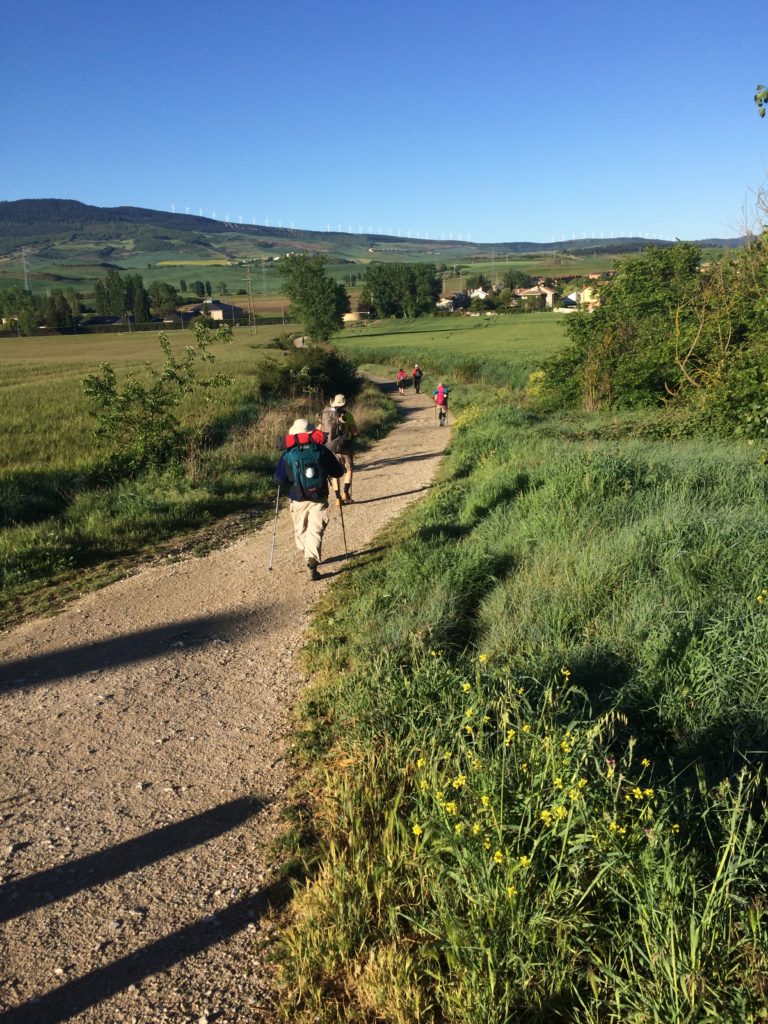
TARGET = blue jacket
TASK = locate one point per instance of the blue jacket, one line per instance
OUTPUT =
(328, 462)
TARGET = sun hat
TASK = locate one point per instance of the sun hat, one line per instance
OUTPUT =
(300, 427)
(416, 366)
(338, 401)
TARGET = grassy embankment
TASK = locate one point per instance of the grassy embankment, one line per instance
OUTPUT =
(65, 520)
(537, 742)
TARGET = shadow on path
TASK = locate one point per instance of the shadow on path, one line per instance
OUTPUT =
(77, 995)
(142, 645)
(45, 887)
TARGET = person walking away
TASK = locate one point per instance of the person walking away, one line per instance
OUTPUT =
(402, 377)
(306, 464)
(417, 375)
(440, 396)
(338, 424)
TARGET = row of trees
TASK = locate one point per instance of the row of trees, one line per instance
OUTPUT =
(115, 295)
(400, 289)
(389, 289)
(671, 328)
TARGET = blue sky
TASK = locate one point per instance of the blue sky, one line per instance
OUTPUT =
(509, 122)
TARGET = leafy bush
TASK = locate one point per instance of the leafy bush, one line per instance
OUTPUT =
(136, 420)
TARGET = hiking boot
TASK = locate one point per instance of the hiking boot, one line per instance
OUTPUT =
(348, 499)
(313, 573)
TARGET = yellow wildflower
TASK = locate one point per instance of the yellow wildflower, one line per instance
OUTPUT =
(475, 829)
(459, 781)
(525, 862)
(558, 783)
(482, 658)
(511, 891)
(645, 763)
(469, 712)
(485, 800)
(469, 730)
(573, 794)
(458, 828)
(420, 763)
(510, 735)
(526, 728)
(637, 793)
(466, 687)
(498, 857)
(486, 842)
(648, 793)
(546, 817)
(451, 807)
(524, 766)
(613, 827)
(417, 830)
(582, 783)
(561, 812)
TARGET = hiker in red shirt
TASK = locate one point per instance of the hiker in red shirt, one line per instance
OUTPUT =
(440, 395)
(402, 377)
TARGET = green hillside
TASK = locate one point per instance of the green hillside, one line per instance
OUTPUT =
(50, 243)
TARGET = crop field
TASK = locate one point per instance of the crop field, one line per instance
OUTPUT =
(44, 418)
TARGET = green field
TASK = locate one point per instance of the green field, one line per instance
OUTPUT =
(44, 419)
(497, 350)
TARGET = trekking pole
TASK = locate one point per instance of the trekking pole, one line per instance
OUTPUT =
(343, 531)
(274, 528)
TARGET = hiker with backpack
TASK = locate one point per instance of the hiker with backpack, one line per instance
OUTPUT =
(440, 396)
(402, 377)
(338, 425)
(305, 465)
(416, 374)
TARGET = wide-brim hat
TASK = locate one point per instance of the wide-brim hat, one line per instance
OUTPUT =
(300, 427)
(338, 401)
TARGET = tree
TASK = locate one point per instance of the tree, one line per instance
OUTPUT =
(222, 288)
(317, 300)
(58, 315)
(403, 289)
(199, 289)
(208, 289)
(761, 99)
(182, 286)
(365, 301)
(163, 297)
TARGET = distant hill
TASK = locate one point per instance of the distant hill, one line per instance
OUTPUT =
(67, 243)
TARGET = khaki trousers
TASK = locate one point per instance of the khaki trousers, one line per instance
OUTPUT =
(310, 519)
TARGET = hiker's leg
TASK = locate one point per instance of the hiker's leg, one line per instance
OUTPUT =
(349, 465)
(299, 512)
(317, 520)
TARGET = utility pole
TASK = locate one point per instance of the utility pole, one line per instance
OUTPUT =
(24, 265)
(250, 297)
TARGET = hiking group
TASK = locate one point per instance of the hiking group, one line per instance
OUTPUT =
(316, 458)
(402, 379)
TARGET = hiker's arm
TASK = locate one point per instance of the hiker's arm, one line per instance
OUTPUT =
(330, 463)
(281, 472)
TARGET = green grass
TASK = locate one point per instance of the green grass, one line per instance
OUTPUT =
(501, 350)
(538, 786)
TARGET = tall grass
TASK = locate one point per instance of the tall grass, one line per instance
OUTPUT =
(539, 786)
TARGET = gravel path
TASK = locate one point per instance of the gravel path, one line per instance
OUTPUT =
(143, 742)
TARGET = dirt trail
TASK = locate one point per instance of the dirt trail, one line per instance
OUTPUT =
(143, 742)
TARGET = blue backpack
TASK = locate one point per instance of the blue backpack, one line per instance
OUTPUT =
(302, 457)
